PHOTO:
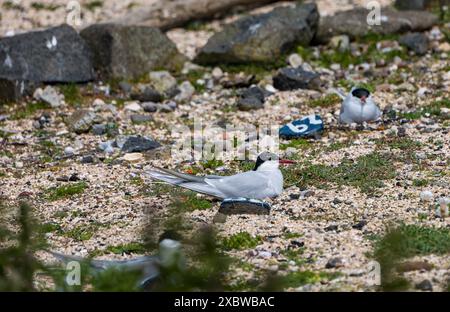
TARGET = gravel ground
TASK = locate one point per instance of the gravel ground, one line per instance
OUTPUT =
(114, 206)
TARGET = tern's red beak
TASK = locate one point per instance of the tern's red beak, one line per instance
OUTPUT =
(286, 161)
(363, 99)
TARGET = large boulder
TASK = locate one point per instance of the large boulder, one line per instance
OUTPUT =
(261, 38)
(57, 54)
(122, 51)
(354, 23)
(411, 4)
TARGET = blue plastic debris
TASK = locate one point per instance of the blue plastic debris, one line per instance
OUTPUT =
(243, 205)
(305, 127)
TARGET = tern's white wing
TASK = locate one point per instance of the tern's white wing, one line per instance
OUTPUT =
(250, 184)
(199, 186)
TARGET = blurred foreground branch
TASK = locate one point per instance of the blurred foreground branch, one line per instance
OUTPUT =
(167, 14)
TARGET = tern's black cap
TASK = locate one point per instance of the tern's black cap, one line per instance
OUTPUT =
(361, 92)
(265, 156)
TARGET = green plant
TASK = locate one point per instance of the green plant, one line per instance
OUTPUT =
(17, 262)
(72, 95)
(241, 240)
(300, 278)
(367, 173)
(65, 191)
(134, 247)
(328, 100)
(93, 4)
(28, 109)
(405, 241)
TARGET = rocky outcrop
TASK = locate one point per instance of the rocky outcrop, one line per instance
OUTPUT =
(261, 38)
(129, 52)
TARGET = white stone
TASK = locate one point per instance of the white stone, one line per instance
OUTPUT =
(133, 157)
(270, 88)
(69, 151)
(217, 73)
(187, 90)
(426, 196)
(49, 95)
(18, 164)
(133, 107)
(290, 151)
(422, 92)
(295, 60)
(98, 102)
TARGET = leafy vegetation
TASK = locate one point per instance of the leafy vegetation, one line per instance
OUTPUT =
(28, 109)
(66, 191)
(300, 278)
(295, 143)
(433, 109)
(366, 173)
(328, 100)
(134, 247)
(241, 240)
(405, 241)
(94, 4)
(45, 6)
(72, 94)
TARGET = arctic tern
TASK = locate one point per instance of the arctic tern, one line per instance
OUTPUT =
(264, 181)
(358, 106)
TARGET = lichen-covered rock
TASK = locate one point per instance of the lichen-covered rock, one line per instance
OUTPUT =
(122, 51)
(261, 38)
(81, 121)
(354, 23)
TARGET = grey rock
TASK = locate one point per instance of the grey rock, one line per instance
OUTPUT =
(163, 81)
(258, 38)
(252, 98)
(256, 92)
(166, 108)
(187, 90)
(99, 129)
(334, 263)
(331, 228)
(354, 23)
(410, 4)
(359, 225)
(122, 51)
(147, 94)
(125, 86)
(249, 103)
(88, 159)
(57, 54)
(244, 206)
(81, 121)
(138, 118)
(220, 218)
(149, 107)
(424, 285)
(14, 90)
(417, 42)
(137, 143)
(297, 243)
(295, 78)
